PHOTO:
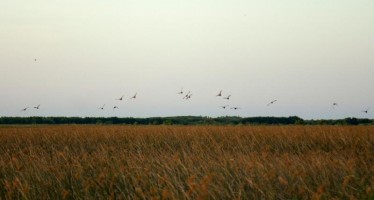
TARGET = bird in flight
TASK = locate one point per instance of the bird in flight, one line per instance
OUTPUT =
(272, 102)
(121, 98)
(224, 107)
(187, 95)
(219, 94)
(134, 97)
(37, 107)
(23, 110)
(228, 97)
(35, 59)
(366, 111)
(334, 105)
(181, 92)
(235, 108)
(102, 107)
(115, 107)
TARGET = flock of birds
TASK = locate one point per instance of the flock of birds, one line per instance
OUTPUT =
(187, 96)
(119, 99)
(35, 107)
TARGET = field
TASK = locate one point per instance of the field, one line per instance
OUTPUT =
(186, 162)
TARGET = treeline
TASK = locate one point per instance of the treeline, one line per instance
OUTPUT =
(182, 120)
(346, 121)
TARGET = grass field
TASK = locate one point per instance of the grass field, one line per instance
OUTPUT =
(187, 162)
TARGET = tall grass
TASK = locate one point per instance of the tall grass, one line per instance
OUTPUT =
(187, 162)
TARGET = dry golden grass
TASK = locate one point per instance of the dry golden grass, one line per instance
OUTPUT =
(187, 162)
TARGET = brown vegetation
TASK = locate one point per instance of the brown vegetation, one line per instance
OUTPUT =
(187, 162)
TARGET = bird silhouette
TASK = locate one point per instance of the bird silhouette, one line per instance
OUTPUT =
(224, 107)
(101, 108)
(272, 102)
(121, 98)
(334, 105)
(227, 98)
(134, 97)
(219, 94)
(37, 107)
(235, 108)
(115, 107)
(181, 92)
(35, 60)
(187, 95)
(366, 111)
(24, 109)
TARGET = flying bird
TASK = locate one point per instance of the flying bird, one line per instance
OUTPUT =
(272, 102)
(187, 95)
(134, 97)
(37, 107)
(334, 105)
(235, 108)
(366, 111)
(115, 107)
(228, 97)
(181, 92)
(102, 108)
(23, 110)
(121, 98)
(35, 59)
(219, 94)
(224, 107)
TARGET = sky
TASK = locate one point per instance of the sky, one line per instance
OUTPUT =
(305, 54)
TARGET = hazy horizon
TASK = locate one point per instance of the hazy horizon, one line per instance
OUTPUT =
(305, 54)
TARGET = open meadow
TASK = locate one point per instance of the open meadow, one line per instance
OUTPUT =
(186, 162)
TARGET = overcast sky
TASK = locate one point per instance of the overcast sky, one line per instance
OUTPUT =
(306, 54)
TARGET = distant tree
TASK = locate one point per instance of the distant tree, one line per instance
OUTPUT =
(351, 121)
(168, 122)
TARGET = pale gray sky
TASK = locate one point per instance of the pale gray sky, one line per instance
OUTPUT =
(307, 54)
